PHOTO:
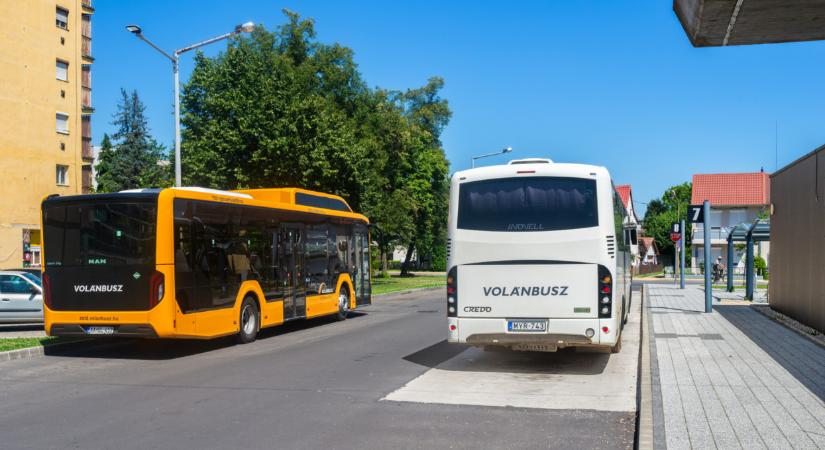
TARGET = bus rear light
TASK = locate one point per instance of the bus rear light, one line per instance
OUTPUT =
(605, 330)
(452, 327)
(452, 292)
(156, 289)
(590, 332)
(47, 291)
(605, 293)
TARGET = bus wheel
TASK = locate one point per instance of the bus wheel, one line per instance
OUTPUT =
(343, 304)
(249, 321)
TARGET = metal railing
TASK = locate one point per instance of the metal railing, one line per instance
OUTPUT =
(715, 234)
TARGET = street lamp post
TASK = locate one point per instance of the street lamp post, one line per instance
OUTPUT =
(500, 152)
(175, 58)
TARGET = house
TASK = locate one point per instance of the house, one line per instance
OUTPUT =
(735, 198)
(633, 223)
(648, 251)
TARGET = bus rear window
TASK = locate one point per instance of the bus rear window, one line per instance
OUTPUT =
(100, 233)
(528, 204)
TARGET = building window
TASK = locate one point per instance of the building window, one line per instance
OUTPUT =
(62, 18)
(62, 123)
(62, 175)
(62, 68)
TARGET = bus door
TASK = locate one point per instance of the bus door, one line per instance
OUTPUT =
(361, 272)
(292, 268)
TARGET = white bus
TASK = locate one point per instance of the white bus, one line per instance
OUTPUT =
(537, 257)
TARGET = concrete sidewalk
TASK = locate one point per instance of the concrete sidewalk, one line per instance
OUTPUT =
(732, 378)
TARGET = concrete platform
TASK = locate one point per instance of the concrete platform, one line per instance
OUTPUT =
(578, 380)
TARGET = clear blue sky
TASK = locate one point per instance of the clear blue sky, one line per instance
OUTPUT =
(614, 83)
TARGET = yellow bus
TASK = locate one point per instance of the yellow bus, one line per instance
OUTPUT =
(200, 263)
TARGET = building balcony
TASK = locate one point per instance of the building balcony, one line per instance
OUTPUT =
(86, 151)
(86, 48)
(87, 5)
(86, 179)
(86, 99)
(718, 235)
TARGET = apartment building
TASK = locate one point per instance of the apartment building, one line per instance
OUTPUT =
(734, 198)
(45, 105)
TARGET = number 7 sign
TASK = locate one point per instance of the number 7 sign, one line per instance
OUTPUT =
(696, 214)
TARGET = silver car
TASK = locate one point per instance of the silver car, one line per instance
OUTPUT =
(21, 297)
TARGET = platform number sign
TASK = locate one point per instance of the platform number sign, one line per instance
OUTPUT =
(696, 214)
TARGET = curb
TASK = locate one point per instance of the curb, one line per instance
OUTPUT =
(40, 350)
(790, 323)
(645, 430)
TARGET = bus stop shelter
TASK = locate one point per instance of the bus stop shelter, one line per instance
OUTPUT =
(748, 233)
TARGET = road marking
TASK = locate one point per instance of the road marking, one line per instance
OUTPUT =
(581, 380)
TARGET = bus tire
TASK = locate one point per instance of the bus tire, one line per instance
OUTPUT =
(250, 321)
(343, 303)
(618, 347)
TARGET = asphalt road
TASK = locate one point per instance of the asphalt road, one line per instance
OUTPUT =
(313, 384)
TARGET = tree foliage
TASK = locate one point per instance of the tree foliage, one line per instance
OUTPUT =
(279, 108)
(663, 211)
(132, 161)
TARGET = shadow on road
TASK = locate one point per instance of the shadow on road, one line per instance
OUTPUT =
(799, 356)
(162, 349)
(452, 357)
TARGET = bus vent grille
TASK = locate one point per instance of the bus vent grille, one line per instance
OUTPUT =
(449, 242)
(611, 246)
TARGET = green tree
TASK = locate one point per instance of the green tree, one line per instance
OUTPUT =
(278, 108)
(662, 212)
(104, 163)
(132, 161)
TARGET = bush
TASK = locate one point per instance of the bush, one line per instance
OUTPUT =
(760, 265)
(439, 259)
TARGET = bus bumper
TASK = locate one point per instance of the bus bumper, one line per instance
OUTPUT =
(123, 330)
(560, 333)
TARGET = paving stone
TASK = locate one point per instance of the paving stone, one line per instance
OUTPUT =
(733, 378)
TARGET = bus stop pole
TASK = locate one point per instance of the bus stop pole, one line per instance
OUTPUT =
(682, 254)
(708, 266)
(730, 262)
(749, 278)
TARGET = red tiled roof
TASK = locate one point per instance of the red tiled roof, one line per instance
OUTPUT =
(624, 193)
(732, 189)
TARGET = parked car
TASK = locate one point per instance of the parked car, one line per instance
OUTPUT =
(21, 297)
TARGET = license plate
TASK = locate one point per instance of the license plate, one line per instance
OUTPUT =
(527, 326)
(100, 330)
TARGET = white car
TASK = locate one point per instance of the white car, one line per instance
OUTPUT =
(21, 297)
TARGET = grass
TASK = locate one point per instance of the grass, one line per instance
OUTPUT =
(650, 275)
(396, 283)
(7, 344)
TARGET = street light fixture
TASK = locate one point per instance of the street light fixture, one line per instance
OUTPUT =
(175, 58)
(500, 152)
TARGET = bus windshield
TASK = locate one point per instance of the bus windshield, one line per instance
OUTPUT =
(528, 204)
(103, 233)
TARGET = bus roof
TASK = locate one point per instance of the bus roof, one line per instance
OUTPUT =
(532, 166)
(284, 198)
